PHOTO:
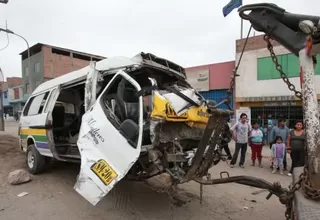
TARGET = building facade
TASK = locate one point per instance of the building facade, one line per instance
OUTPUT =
(6, 106)
(13, 95)
(260, 89)
(47, 62)
(212, 80)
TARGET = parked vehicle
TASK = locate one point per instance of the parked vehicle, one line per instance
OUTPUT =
(137, 118)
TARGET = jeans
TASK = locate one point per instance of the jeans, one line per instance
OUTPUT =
(278, 163)
(243, 147)
(226, 149)
(284, 158)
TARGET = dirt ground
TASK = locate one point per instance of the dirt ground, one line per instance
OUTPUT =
(51, 195)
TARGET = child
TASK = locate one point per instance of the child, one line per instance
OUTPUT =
(277, 154)
(256, 144)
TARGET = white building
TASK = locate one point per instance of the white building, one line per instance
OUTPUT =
(259, 86)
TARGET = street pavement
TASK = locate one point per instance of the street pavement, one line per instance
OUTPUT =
(51, 195)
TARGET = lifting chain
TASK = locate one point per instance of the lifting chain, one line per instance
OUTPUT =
(234, 73)
(279, 68)
(304, 179)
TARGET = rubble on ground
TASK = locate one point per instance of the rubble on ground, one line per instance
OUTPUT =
(8, 143)
(18, 177)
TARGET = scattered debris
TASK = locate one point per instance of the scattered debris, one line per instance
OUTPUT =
(22, 194)
(162, 181)
(259, 191)
(8, 143)
(18, 177)
(1, 209)
(246, 207)
(180, 198)
(251, 200)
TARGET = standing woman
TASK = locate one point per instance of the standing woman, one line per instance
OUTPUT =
(256, 144)
(296, 146)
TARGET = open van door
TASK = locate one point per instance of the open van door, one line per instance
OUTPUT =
(108, 147)
(91, 86)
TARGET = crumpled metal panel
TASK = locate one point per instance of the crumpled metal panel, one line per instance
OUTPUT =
(168, 131)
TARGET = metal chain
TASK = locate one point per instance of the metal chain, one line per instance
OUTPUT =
(297, 185)
(279, 68)
(304, 180)
(234, 72)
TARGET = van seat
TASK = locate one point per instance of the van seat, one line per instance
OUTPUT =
(58, 117)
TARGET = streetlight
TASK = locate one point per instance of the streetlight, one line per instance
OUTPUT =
(29, 62)
(4, 1)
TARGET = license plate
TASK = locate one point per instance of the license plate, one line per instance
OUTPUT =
(103, 170)
(172, 114)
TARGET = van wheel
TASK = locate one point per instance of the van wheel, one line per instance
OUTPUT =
(35, 161)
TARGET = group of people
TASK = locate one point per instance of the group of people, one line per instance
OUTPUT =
(282, 142)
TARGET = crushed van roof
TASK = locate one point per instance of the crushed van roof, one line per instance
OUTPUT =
(106, 64)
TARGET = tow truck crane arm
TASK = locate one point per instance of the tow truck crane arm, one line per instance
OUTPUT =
(284, 27)
(300, 34)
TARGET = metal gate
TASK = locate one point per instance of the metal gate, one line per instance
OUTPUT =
(290, 113)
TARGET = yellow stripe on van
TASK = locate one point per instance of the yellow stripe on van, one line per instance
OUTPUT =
(31, 131)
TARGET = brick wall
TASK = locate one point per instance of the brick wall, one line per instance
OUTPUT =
(4, 85)
(14, 81)
(254, 43)
(56, 65)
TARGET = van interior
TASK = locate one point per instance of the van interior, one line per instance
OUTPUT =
(120, 102)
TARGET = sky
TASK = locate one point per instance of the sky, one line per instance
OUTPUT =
(189, 33)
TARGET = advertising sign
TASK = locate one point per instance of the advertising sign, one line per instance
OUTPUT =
(198, 78)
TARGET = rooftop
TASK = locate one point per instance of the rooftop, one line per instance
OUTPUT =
(60, 50)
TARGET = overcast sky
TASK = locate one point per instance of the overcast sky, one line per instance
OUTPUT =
(187, 32)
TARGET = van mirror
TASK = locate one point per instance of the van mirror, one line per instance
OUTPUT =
(130, 130)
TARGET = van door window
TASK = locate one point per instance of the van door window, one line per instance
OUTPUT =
(35, 104)
(121, 102)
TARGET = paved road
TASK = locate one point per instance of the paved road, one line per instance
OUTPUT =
(51, 196)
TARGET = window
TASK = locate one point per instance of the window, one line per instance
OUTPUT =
(290, 66)
(125, 106)
(5, 94)
(26, 71)
(35, 104)
(37, 67)
(16, 94)
(27, 88)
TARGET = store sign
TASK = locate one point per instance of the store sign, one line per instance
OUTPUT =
(280, 103)
(198, 79)
(269, 98)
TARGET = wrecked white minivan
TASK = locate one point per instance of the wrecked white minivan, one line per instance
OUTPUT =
(136, 118)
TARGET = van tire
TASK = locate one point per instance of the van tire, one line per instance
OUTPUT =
(35, 161)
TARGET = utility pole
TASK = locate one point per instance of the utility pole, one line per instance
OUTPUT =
(29, 61)
(1, 101)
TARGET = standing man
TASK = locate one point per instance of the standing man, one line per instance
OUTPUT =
(225, 139)
(241, 132)
(283, 131)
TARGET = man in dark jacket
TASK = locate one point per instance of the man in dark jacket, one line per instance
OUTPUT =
(226, 138)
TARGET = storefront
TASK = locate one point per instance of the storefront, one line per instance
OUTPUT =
(267, 110)
(218, 96)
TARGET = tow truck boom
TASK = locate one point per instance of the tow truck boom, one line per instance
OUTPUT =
(300, 34)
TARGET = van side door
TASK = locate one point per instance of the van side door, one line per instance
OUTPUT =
(108, 146)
